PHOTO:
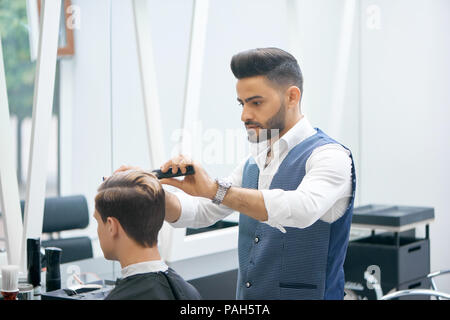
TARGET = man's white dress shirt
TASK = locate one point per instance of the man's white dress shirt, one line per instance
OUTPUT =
(324, 192)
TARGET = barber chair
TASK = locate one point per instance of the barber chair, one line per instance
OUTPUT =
(63, 214)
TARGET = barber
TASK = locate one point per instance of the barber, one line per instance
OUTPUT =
(295, 191)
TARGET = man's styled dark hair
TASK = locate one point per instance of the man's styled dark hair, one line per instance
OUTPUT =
(137, 199)
(279, 66)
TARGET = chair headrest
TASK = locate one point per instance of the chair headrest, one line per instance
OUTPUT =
(64, 213)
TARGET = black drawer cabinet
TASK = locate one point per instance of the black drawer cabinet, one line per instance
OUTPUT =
(398, 264)
(402, 262)
(402, 259)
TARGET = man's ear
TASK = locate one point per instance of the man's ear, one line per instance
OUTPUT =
(293, 95)
(112, 225)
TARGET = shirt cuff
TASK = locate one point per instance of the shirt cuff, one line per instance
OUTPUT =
(188, 210)
(276, 207)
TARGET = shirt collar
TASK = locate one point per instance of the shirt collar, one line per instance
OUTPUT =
(144, 267)
(299, 132)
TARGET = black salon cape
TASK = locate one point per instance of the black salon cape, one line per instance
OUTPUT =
(166, 285)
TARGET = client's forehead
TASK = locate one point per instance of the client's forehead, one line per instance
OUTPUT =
(96, 215)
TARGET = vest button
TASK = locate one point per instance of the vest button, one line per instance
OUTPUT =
(248, 284)
(256, 240)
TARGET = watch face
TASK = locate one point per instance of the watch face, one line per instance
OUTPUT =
(224, 182)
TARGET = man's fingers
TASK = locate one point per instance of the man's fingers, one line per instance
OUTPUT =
(182, 165)
(166, 166)
(178, 162)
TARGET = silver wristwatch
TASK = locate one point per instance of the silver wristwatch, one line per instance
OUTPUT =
(224, 185)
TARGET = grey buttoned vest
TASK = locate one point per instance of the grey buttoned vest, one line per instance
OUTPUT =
(301, 263)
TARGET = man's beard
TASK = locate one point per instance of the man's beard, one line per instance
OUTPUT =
(272, 129)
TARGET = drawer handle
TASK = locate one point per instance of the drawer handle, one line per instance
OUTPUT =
(414, 249)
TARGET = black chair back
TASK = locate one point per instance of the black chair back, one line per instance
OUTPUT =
(63, 214)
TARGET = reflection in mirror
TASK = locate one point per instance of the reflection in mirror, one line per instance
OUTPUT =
(70, 16)
(20, 76)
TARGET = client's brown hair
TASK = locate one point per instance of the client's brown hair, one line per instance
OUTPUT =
(137, 199)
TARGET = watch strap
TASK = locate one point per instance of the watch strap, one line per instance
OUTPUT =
(221, 191)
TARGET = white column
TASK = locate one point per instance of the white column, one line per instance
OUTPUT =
(194, 73)
(42, 113)
(9, 189)
(148, 83)
(153, 121)
(190, 113)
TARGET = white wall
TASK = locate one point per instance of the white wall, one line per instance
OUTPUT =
(394, 103)
(405, 76)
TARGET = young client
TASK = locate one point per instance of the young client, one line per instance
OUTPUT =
(130, 209)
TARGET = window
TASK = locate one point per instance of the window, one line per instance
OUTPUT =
(20, 76)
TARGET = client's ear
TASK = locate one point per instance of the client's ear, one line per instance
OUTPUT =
(112, 225)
